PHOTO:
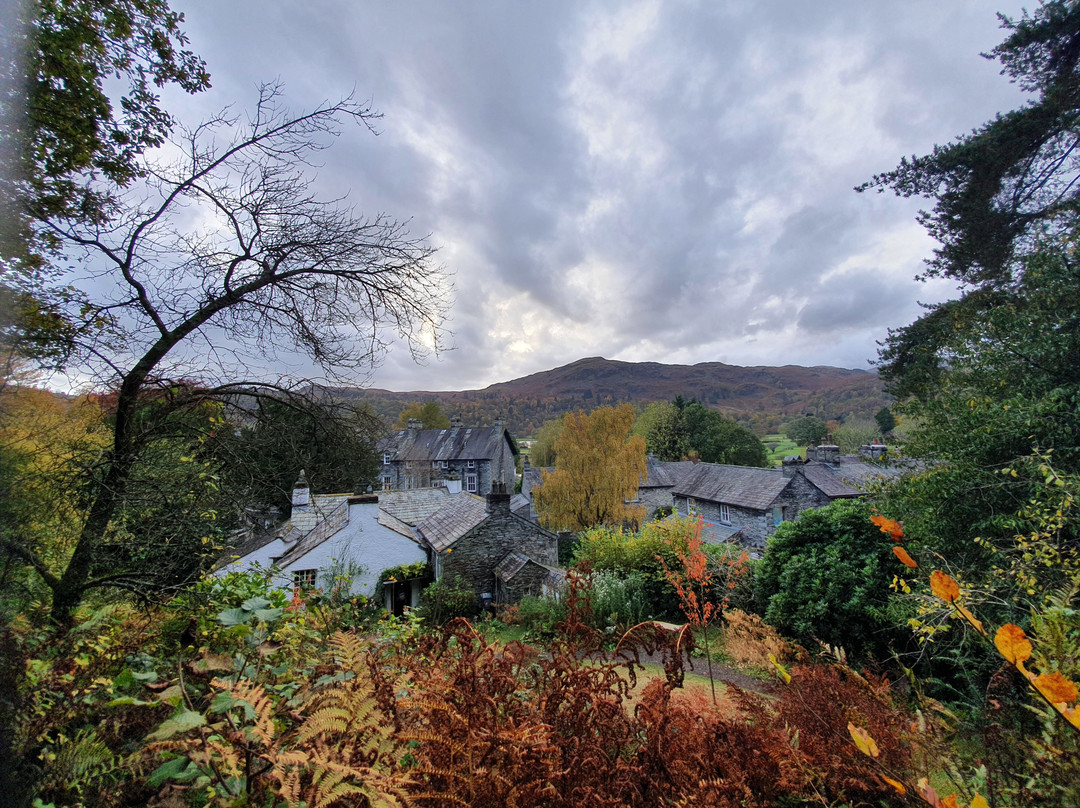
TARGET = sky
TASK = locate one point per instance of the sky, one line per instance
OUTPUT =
(643, 181)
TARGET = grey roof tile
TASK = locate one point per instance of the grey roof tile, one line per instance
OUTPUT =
(742, 486)
(830, 482)
(460, 514)
(457, 443)
(413, 505)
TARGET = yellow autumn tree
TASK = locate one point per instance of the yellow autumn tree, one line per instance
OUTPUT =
(598, 466)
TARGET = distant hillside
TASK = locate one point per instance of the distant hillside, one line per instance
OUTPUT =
(760, 397)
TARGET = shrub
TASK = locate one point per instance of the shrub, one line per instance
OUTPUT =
(442, 601)
(826, 577)
(618, 602)
(539, 615)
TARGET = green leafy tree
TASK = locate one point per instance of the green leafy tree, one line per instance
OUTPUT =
(662, 426)
(428, 413)
(69, 125)
(826, 577)
(268, 444)
(997, 192)
(856, 432)
(805, 430)
(716, 439)
(885, 419)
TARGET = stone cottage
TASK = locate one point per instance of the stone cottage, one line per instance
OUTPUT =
(740, 503)
(470, 459)
(495, 551)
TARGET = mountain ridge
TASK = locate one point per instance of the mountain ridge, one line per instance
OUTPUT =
(760, 396)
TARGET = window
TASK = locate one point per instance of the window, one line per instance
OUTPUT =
(437, 484)
(470, 483)
(386, 458)
(386, 480)
(470, 464)
(304, 579)
(777, 515)
(725, 514)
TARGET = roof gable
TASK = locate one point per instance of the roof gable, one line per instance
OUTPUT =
(460, 514)
(456, 443)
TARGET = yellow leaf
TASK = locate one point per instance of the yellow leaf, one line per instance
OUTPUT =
(895, 784)
(1056, 688)
(783, 671)
(1013, 644)
(979, 801)
(906, 559)
(867, 745)
(944, 586)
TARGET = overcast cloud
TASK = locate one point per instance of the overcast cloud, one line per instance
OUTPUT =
(645, 181)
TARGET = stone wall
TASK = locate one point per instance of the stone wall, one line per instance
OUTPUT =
(474, 555)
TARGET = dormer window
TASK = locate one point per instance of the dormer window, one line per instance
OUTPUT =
(470, 464)
(386, 458)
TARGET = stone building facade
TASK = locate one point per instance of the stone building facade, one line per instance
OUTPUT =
(469, 459)
(739, 503)
(470, 536)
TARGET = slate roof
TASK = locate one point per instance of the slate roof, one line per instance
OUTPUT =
(510, 566)
(714, 532)
(456, 443)
(829, 481)
(531, 476)
(861, 475)
(519, 502)
(460, 514)
(332, 522)
(742, 486)
(414, 505)
(666, 474)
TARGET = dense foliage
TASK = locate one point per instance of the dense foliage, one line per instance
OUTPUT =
(598, 467)
(679, 430)
(826, 577)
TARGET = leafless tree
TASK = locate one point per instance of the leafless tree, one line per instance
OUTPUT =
(224, 240)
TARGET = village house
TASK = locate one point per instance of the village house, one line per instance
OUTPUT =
(498, 553)
(744, 504)
(470, 459)
(332, 538)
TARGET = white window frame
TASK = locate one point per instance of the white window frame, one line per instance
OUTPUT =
(386, 458)
(725, 513)
(386, 481)
(472, 483)
(305, 580)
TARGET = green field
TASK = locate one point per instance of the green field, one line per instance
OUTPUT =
(778, 447)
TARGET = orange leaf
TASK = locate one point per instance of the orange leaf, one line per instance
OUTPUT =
(1056, 688)
(895, 784)
(867, 745)
(1013, 644)
(949, 802)
(902, 554)
(944, 586)
(890, 526)
(972, 619)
